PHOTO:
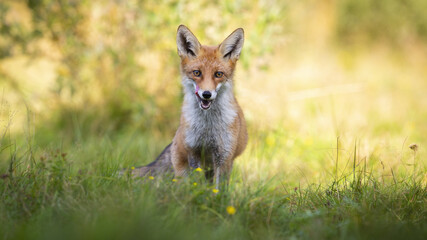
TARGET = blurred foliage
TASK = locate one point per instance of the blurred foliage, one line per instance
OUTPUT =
(103, 51)
(388, 20)
(115, 62)
(331, 95)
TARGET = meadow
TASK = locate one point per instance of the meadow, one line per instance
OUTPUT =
(334, 95)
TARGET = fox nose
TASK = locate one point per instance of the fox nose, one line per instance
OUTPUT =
(206, 94)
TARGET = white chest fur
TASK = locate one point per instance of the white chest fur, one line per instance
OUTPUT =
(210, 128)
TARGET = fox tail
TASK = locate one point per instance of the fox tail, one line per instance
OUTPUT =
(162, 165)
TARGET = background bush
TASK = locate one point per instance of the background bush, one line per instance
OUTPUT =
(333, 93)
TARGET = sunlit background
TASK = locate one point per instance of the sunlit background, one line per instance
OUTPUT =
(321, 83)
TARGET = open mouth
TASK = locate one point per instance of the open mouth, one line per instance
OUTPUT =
(205, 104)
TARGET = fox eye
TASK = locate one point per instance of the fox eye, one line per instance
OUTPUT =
(197, 73)
(219, 74)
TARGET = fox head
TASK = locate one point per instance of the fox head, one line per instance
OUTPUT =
(207, 70)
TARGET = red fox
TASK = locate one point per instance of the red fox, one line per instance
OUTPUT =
(212, 130)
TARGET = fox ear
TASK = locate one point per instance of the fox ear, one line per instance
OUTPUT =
(187, 43)
(230, 48)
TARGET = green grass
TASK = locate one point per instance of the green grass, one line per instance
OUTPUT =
(74, 192)
(333, 95)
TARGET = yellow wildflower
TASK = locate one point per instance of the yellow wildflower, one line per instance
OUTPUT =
(151, 177)
(231, 210)
(133, 168)
(174, 180)
(198, 169)
(215, 190)
(194, 183)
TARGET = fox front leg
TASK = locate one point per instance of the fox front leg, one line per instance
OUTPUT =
(222, 176)
(222, 171)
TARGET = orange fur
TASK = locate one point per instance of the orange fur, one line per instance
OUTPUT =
(212, 131)
(208, 60)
